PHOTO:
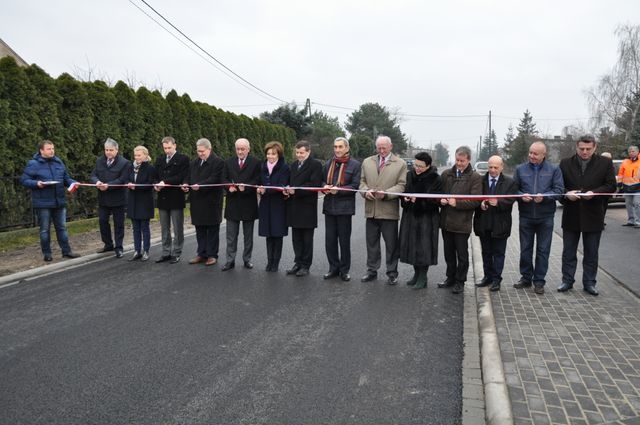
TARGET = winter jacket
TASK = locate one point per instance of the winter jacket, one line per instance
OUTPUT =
(302, 206)
(242, 206)
(172, 173)
(629, 175)
(495, 222)
(458, 219)
(117, 174)
(544, 178)
(46, 169)
(344, 201)
(206, 202)
(140, 199)
(392, 178)
(272, 208)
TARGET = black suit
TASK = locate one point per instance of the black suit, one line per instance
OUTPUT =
(241, 206)
(302, 207)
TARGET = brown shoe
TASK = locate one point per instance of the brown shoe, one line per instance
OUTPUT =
(196, 260)
(211, 261)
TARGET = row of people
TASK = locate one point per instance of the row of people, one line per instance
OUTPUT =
(381, 179)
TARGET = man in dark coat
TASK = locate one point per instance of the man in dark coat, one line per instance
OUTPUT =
(492, 222)
(172, 169)
(205, 201)
(338, 207)
(583, 214)
(110, 176)
(242, 173)
(47, 177)
(302, 207)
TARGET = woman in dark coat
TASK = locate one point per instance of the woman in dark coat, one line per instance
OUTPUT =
(272, 209)
(420, 220)
(140, 201)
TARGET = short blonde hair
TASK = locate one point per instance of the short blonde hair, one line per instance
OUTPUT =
(144, 151)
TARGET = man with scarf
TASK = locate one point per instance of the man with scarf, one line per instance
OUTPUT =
(341, 172)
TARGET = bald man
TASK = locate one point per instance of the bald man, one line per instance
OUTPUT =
(492, 222)
(541, 185)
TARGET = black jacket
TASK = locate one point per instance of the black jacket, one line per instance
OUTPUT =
(495, 222)
(173, 173)
(206, 202)
(303, 204)
(117, 174)
(140, 199)
(242, 206)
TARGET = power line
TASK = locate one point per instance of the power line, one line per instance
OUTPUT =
(209, 54)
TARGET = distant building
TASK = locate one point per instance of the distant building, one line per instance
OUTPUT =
(5, 50)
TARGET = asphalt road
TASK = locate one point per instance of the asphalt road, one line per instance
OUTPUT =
(119, 343)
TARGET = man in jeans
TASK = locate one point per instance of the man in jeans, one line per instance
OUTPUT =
(47, 177)
(541, 184)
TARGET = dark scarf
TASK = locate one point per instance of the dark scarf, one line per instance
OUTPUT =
(332, 169)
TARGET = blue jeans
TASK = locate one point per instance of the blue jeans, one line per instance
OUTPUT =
(590, 245)
(59, 218)
(540, 232)
(141, 235)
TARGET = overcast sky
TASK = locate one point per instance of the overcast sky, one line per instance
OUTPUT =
(422, 57)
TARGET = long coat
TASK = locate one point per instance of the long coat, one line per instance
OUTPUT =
(173, 173)
(392, 178)
(302, 206)
(117, 174)
(586, 215)
(458, 219)
(343, 202)
(273, 209)
(43, 169)
(206, 203)
(495, 222)
(140, 199)
(420, 220)
(242, 206)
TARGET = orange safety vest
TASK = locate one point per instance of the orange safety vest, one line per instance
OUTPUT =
(629, 170)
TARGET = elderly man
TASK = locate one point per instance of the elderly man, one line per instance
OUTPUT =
(540, 184)
(630, 180)
(47, 176)
(338, 208)
(172, 169)
(456, 218)
(492, 222)
(242, 174)
(205, 198)
(383, 176)
(583, 214)
(110, 175)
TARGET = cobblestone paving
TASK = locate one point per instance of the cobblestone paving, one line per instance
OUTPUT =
(569, 358)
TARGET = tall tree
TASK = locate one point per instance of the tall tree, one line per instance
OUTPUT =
(441, 154)
(106, 115)
(325, 130)
(517, 151)
(47, 106)
(613, 101)
(290, 116)
(131, 128)
(372, 120)
(489, 146)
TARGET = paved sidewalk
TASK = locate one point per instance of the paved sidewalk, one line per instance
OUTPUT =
(568, 358)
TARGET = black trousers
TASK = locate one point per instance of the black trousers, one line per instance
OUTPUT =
(208, 239)
(456, 255)
(337, 242)
(274, 250)
(302, 240)
(105, 227)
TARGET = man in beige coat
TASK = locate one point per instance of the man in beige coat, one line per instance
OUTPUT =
(383, 175)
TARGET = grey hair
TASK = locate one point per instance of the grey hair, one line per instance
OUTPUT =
(342, 139)
(244, 142)
(110, 143)
(464, 150)
(168, 139)
(205, 143)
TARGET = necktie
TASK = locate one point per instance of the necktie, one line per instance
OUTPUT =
(381, 163)
(241, 163)
(109, 162)
(492, 187)
(299, 165)
(201, 162)
(168, 159)
(458, 173)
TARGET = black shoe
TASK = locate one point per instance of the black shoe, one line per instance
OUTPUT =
(369, 277)
(446, 284)
(294, 269)
(522, 284)
(538, 289)
(345, 277)
(457, 288)
(105, 249)
(393, 280)
(70, 254)
(136, 256)
(163, 259)
(564, 287)
(48, 257)
(248, 265)
(330, 275)
(175, 259)
(628, 224)
(118, 253)
(495, 286)
(302, 272)
(484, 282)
(591, 290)
(227, 266)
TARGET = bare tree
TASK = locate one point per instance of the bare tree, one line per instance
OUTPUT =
(613, 101)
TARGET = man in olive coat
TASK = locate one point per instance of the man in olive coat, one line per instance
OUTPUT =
(583, 214)
(205, 201)
(242, 173)
(302, 207)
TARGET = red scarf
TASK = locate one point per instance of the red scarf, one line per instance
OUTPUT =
(332, 169)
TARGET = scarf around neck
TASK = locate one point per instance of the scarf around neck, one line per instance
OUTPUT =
(341, 172)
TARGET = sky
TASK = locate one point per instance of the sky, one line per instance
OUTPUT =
(441, 65)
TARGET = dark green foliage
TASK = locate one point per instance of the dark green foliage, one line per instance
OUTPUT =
(106, 114)
(372, 120)
(517, 150)
(290, 116)
(489, 147)
(130, 119)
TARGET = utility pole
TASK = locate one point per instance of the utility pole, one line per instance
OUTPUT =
(308, 107)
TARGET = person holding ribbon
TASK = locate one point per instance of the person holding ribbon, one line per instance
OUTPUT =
(338, 207)
(272, 211)
(140, 209)
(47, 176)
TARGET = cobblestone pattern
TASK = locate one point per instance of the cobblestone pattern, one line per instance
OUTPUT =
(569, 358)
